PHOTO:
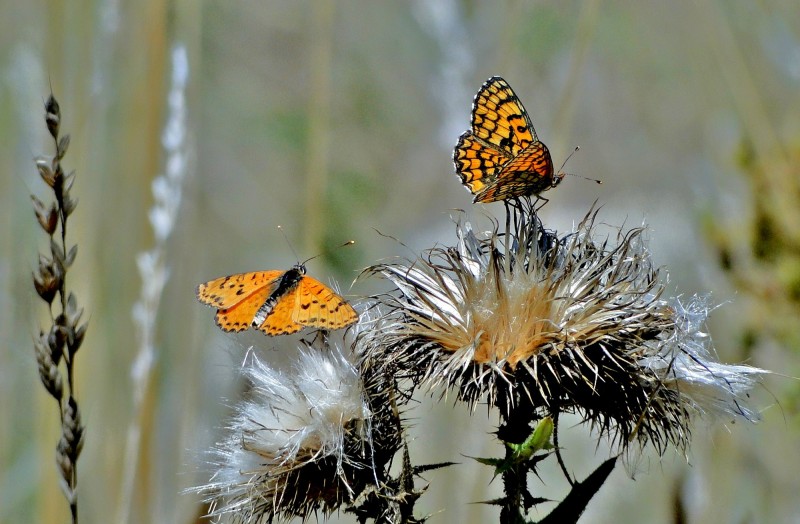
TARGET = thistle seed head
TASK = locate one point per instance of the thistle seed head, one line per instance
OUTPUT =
(527, 319)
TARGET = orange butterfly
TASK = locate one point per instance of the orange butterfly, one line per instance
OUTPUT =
(501, 157)
(275, 302)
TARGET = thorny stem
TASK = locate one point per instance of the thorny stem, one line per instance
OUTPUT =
(514, 484)
(515, 428)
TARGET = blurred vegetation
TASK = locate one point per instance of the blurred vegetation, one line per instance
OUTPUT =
(760, 253)
(334, 118)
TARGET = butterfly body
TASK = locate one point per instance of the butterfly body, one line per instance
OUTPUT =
(275, 302)
(501, 157)
(285, 285)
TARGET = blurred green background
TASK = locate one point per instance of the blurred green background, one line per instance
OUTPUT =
(333, 119)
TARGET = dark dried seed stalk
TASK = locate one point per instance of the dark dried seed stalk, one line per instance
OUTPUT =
(61, 341)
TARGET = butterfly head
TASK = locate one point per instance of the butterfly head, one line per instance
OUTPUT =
(300, 268)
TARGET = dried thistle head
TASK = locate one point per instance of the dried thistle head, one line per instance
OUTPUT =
(304, 441)
(541, 324)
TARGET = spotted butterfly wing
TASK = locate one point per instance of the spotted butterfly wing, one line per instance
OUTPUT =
(225, 292)
(273, 302)
(477, 164)
(522, 175)
(318, 306)
(499, 118)
(238, 297)
(281, 320)
(501, 157)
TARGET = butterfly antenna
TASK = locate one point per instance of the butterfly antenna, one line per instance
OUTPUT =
(577, 148)
(348, 243)
(561, 169)
(280, 228)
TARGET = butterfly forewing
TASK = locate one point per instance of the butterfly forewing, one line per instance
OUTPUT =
(227, 291)
(319, 306)
(499, 118)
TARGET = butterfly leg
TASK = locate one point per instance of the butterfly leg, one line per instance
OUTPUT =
(521, 206)
(509, 210)
(513, 208)
(543, 201)
(320, 340)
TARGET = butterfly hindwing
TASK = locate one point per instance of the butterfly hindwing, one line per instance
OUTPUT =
(281, 320)
(476, 164)
(534, 159)
(239, 316)
(319, 306)
(531, 172)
